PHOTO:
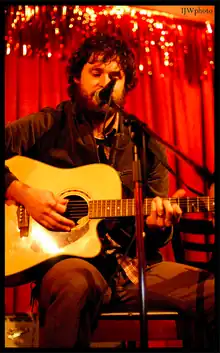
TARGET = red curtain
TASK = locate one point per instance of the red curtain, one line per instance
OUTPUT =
(179, 109)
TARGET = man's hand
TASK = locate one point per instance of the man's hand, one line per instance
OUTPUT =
(163, 214)
(42, 205)
(212, 194)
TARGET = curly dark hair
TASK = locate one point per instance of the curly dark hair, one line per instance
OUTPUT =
(108, 46)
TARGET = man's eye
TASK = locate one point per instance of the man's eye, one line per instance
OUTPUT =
(96, 73)
(115, 77)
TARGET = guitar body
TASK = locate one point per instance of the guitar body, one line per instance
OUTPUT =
(86, 183)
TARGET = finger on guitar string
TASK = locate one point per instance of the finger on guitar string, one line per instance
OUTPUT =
(168, 210)
(156, 217)
(60, 220)
(54, 225)
(160, 212)
(61, 204)
(177, 213)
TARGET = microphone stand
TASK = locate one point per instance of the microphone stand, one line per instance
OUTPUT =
(138, 137)
(138, 131)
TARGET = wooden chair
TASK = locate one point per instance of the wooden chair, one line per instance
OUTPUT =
(123, 327)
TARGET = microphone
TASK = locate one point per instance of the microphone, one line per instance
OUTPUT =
(102, 96)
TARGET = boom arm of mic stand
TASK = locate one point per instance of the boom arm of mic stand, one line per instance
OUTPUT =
(203, 172)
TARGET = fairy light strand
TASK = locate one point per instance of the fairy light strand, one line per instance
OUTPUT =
(47, 31)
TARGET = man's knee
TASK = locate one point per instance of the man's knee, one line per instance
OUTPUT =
(71, 277)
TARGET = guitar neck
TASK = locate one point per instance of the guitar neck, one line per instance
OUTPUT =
(126, 207)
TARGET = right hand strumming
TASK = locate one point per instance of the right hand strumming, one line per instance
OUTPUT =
(43, 206)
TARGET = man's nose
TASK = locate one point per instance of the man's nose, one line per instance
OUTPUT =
(105, 79)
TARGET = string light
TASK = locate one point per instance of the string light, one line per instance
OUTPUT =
(24, 49)
(64, 10)
(142, 27)
(8, 50)
(209, 28)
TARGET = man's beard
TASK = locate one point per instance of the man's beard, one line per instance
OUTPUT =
(88, 104)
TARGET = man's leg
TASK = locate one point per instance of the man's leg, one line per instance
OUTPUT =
(71, 295)
(180, 287)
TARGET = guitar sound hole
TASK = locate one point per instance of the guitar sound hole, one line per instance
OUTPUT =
(77, 208)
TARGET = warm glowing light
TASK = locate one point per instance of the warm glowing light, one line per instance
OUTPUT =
(149, 72)
(133, 12)
(205, 72)
(135, 27)
(141, 67)
(64, 10)
(208, 26)
(155, 26)
(143, 12)
(45, 241)
(8, 50)
(24, 49)
(28, 12)
(158, 25)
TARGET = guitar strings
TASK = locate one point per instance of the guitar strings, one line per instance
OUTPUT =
(182, 201)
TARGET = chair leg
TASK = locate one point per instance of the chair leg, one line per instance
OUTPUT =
(184, 332)
(131, 345)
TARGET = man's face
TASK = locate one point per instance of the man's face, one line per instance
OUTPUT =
(95, 75)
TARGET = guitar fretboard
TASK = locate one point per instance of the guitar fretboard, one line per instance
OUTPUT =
(126, 207)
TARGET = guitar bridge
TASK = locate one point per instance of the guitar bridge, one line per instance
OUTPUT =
(23, 221)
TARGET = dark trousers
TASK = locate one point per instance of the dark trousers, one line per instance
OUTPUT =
(73, 291)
